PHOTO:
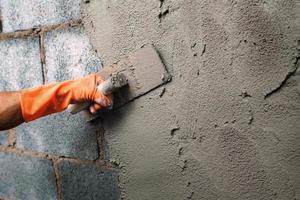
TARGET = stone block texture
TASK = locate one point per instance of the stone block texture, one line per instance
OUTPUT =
(69, 55)
(26, 178)
(20, 64)
(27, 14)
(60, 134)
(3, 137)
(85, 182)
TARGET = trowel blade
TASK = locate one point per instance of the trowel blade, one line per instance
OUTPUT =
(144, 71)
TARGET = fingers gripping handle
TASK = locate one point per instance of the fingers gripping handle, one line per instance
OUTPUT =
(109, 86)
(113, 83)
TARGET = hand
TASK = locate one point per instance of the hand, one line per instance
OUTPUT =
(87, 91)
(56, 97)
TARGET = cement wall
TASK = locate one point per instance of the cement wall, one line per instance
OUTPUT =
(227, 126)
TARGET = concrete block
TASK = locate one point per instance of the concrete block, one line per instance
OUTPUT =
(20, 64)
(26, 14)
(60, 134)
(69, 55)
(26, 178)
(3, 137)
(79, 181)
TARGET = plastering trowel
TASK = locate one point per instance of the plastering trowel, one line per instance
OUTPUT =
(135, 75)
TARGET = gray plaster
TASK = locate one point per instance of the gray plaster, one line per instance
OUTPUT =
(27, 14)
(79, 181)
(26, 178)
(20, 64)
(227, 126)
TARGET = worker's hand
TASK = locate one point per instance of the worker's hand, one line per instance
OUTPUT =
(85, 89)
(56, 97)
(100, 99)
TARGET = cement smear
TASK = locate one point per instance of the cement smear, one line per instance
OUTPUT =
(227, 126)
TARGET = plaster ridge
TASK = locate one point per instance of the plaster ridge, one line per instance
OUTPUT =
(284, 81)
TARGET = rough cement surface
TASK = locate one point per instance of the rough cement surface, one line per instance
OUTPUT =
(87, 182)
(25, 14)
(227, 126)
(20, 64)
(26, 178)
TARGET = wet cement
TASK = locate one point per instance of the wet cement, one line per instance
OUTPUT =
(227, 126)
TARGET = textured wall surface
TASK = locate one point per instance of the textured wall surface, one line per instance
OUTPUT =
(227, 126)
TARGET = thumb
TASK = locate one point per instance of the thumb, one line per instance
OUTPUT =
(103, 100)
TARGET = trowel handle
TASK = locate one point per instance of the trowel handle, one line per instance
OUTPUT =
(113, 83)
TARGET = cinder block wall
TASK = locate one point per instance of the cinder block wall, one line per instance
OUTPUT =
(60, 156)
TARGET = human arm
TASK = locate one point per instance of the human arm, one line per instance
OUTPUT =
(33, 103)
(10, 110)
